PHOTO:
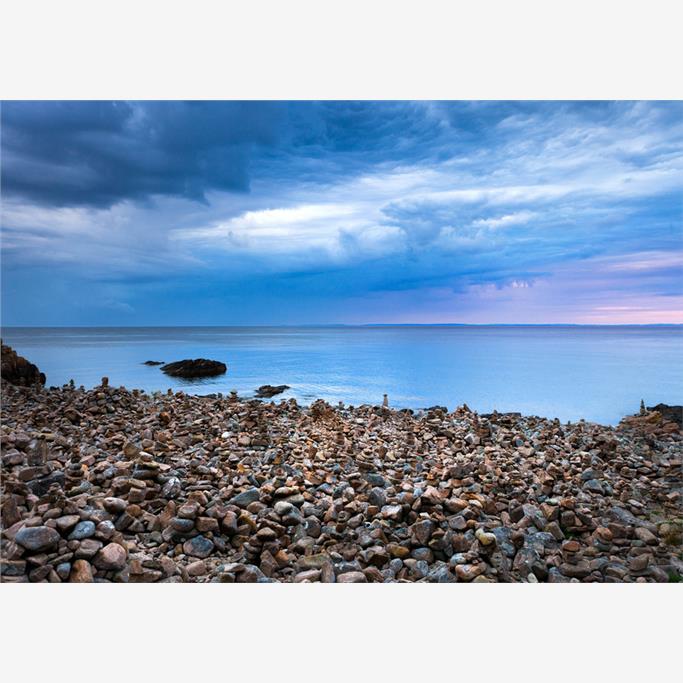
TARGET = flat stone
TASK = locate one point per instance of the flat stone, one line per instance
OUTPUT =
(579, 570)
(12, 567)
(468, 572)
(308, 575)
(352, 577)
(246, 497)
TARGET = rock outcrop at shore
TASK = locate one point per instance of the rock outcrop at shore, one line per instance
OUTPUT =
(199, 367)
(124, 486)
(268, 390)
(671, 413)
(17, 370)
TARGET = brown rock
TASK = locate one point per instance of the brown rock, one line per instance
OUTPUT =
(352, 577)
(111, 558)
(81, 572)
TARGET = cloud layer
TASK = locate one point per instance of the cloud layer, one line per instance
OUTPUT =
(276, 212)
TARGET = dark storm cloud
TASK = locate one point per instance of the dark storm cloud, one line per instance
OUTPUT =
(334, 211)
(99, 153)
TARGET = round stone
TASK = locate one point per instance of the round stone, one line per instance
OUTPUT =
(184, 526)
(283, 508)
(199, 546)
(82, 530)
(37, 538)
(197, 568)
(114, 505)
(111, 558)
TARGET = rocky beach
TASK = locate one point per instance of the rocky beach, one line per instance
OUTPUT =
(119, 485)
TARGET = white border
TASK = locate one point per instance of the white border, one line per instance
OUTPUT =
(364, 49)
(371, 50)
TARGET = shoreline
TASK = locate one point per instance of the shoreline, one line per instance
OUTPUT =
(111, 484)
(305, 403)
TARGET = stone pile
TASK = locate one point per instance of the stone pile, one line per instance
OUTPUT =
(112, 485)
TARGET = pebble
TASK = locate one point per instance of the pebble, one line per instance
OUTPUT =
(111, 558)
(199, 546)
(484, 538)
(352, 577)
(82, 530)
(245, 498)
(81, 572)
(645, 536)
(197, 568)
(243, 491)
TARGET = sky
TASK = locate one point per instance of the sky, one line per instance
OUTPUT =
(227, 213)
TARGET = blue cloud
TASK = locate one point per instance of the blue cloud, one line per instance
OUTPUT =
(219, 212)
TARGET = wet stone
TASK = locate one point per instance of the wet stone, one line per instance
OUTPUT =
(82, 530)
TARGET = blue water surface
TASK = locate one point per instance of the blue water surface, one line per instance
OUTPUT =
(598, 373)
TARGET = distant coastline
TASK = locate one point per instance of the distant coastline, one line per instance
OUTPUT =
(329, 325)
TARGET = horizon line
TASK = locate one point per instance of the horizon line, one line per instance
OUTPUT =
(285, 325)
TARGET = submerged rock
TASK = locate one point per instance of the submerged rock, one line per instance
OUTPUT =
(199, 367)
(153, 362)
(267, 390)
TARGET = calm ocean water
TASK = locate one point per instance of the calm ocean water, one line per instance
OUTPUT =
(594, 372)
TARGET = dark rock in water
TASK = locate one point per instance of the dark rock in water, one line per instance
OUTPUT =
(670, 413)
(267, 390)
(153, 362)
(17, 370)
(199, 367)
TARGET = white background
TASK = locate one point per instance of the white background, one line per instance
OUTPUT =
(333, 50)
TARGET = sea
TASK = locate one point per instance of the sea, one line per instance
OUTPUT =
(571, 372)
